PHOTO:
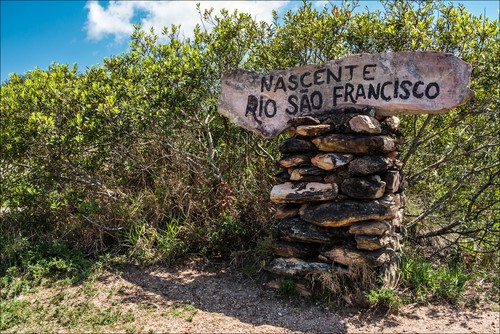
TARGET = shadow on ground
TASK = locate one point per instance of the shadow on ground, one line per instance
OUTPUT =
(232, 294)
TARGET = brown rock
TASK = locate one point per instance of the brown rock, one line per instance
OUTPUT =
(393, 154)
(371, 242)
(392, 123)
(333, 178)
(290, 132)
(370, 187)
(301, 192)
(289, 249)
(304, 120)
(330, 161)
(391, 274)
(365, 124)
(370, 164)
(282, 177)
(391, 179)
(352, 257)
(309, 174)
(296, 145)
(286, 211)
(297, 230)
(294, 160)
(295, 267)
(371, 228)
(342, 143)
(314, 130)
(391, 203)
(344, 213)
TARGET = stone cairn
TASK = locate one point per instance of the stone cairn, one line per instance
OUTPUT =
(340, 195)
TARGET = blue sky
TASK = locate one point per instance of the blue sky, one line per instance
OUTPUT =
(37, 33)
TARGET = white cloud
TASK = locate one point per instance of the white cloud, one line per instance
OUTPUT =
(117, 18)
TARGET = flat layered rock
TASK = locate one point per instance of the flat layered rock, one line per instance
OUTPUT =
(344, 213)
(294, 160)
(371, 242)
(369, 187)
(295, 267)
(377, 228)
(330, 161)
(297, 230)
(296, 145)
(365, 124)
(282, 177)
(302, 192)
(392, 180)
(286, 211)
(344, 143)
(352, 257)
(314, 130)
(392, 122)
(310, 173)
(369, 164)
(289, 249)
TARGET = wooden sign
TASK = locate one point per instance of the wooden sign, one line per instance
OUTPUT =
(393, 83)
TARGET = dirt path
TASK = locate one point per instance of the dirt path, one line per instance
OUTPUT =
(227, 301)
(220, 300)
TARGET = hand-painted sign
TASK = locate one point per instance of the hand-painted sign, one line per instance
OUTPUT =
(393, 83)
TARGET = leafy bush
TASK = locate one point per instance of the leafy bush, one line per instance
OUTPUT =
(32, 264)
(133, 154)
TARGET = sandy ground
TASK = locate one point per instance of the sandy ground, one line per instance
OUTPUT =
(229, 302)
(217, 299)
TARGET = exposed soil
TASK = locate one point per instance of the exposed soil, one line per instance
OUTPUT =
(216, 299)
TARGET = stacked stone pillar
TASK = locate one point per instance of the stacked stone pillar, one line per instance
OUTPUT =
(339, 195)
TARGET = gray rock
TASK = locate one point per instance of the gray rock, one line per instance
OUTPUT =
(294, 160)
(295, 267)
(369, 164)
(286, 211)
(391, 178)
(303, 120)
(309, 174)
(314, 130)
(365, 124)
(353, 257)
(330, 161)
(302, 192)
(344, 213)
(282, 177)
(390, 273)
(371, 242)
(392, 123)
(369, 187)
(296, 145)
(377, 228)
(295, 249)
(342, 143)
(297, 230)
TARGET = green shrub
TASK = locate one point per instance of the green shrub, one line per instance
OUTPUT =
(427, 281)
(385, 297)
(29, 266)
(132, 155)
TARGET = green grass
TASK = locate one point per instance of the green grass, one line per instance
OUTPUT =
(385, 297)
(13, 313)
(288, 288)
(427, 281)
(186, 312)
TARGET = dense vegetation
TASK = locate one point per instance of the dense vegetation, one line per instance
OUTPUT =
(132, 156)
